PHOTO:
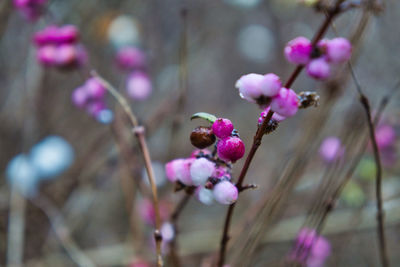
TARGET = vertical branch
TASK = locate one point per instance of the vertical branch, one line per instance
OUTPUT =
(261, 130)
(378, 187)
(16, 227)
(139, 132)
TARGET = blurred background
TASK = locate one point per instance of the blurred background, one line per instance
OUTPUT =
(93, 212)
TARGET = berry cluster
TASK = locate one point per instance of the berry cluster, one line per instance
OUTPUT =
(210, 172)
(311, 249)
(138, 84)
(91, 97)
(59, 47)
(30, 9)
(267, 91)
(318, 59)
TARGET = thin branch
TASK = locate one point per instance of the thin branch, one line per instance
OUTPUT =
(379, 204)
(61, 230)
(139, 132)
(260, 133)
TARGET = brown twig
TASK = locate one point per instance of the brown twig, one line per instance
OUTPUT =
(174, 257)
(139, 132)
(261, 130)
(379, 204)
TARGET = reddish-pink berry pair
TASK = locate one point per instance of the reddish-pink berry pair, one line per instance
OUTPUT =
(59, 47)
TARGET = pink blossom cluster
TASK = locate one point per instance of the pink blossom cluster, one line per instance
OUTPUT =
(138, 83)
(59, 47)
(310, 249)
(267, 91)
(30, 9)
(91, 98)
(210, 177)
(318, 60)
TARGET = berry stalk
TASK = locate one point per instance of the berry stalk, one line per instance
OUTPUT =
(261, 130)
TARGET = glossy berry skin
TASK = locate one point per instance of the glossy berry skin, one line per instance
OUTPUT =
(202, 137)
(225, 193)
(319, 69)
(249, 86)
(338, 50)
(298, 51)
(222, 128)
(200, 170)
(230, 149)
(285, 103)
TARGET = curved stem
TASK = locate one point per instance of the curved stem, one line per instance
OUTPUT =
(261, 130)
(139, 132)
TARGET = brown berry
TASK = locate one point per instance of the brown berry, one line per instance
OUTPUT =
(202, 137)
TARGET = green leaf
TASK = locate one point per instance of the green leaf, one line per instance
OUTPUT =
(203, 115)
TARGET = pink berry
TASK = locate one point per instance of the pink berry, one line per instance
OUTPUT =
(46, 36)
(222, 128)
(80, 97)
(66, 55)
(225, 192)
(298, 51)
(204, 195)
(95, 88)
(95, 107)
(138, 86)
(285, 103)
(331, 149)
(385, 136)
(338, 50)
(46, 55)
(319, 69)
(130, 57)
(200, 170)
(249, 86)
(230, 148)
(270, 85)
(275, 116)
(182, 171)
(67, 34)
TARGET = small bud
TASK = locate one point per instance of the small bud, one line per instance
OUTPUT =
(202, 137)
(308, 99)
(230, 149)
(285, 103)
(298, 51)
(200, 170)
(319, 69)
(222, 128)
(225, 192)
(338, 50)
